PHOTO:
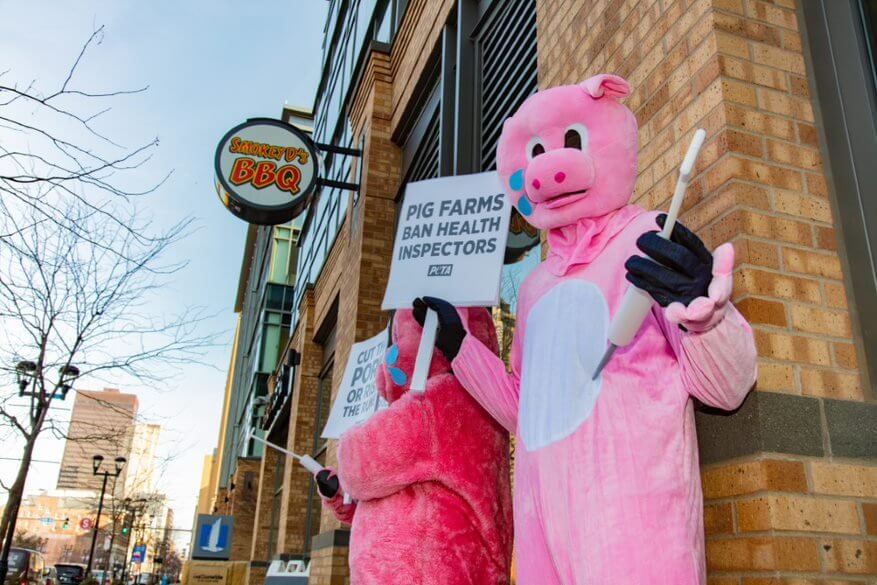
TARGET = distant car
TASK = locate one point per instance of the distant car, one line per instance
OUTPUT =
(70, 573)
(28, 567)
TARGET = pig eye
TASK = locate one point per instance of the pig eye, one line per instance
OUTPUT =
(535, 148)
(576, 137)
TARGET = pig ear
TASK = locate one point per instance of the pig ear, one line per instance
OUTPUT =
(605, 84)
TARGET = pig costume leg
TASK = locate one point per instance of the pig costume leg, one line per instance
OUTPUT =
(607, 485)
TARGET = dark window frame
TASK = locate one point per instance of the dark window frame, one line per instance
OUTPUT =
(842, 86)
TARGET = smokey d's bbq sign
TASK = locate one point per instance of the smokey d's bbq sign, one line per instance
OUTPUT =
(266, 171)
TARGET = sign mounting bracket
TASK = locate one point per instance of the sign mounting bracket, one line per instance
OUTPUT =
(338, 184)
(338, 149)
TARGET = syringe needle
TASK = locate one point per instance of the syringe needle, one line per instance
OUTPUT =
(605, 360)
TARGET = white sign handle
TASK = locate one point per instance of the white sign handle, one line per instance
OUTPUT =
(306, 461)
(424, 352)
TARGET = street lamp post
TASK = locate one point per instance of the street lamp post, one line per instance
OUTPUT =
(97, 460)
(28, 377)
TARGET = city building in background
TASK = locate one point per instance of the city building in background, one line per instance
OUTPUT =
(135, 512)
(421, 88)
(142, 470)
(207, 487)
(206, 495)
(101, 423)
(64, 520)
(151, 539)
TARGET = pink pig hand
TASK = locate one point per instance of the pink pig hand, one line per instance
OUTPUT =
(704, 313)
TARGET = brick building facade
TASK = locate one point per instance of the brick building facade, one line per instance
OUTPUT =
(790, 480)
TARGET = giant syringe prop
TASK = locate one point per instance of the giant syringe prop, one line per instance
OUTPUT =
(306, 461)
(637, 303)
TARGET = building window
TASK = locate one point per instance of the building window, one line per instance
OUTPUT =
(505, 50)
(350, 29)
(384, 22)
(421, 150)
(868, 10)
(841, 39)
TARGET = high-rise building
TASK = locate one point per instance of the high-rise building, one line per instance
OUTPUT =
(142, 467)
(102, 423)
(207, 486)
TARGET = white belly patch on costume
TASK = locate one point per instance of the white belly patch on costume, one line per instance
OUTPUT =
(565, 339)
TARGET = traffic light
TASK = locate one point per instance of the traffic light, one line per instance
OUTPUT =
(124, 531)
(66, 525)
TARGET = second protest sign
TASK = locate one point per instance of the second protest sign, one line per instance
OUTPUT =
(358, 398)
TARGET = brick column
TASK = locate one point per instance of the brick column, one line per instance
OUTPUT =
(790, 479)
(242, 506)
(259, 553)
(296, 480)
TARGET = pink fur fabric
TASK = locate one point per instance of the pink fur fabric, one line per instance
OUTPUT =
(607, 483)
(429, 476)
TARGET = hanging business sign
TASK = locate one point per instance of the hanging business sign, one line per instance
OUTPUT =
(266, 171)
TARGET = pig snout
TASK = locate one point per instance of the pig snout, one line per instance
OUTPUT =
(558, 173)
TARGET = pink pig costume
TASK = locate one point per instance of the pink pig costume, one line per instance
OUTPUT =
(431, 476)
(607, 487)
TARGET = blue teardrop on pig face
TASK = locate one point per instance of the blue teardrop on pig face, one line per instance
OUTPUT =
(524, 206)
(516, 181)
(399, 377)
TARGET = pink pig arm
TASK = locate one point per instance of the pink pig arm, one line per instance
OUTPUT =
(484, 376)
(717, 352)
(718, 366)
(388, 452)
(344, 512)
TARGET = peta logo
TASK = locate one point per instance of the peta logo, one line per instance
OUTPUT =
(440, 270)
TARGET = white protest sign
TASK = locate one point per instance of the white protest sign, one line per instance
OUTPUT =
(450, 242)
(358, 398)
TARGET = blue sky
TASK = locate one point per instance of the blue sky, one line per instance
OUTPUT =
(209, 65)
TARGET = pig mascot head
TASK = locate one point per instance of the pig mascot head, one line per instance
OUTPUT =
(569, 153)
(394, 375)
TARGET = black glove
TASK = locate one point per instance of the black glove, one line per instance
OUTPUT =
(677, 270)
(328, 484)
(450, 332)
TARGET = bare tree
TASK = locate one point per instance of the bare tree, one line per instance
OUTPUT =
(79, 266)
(78, 307)
(52, 148)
